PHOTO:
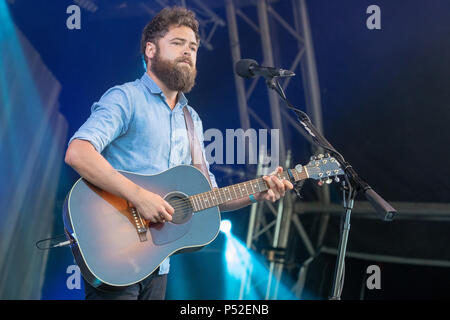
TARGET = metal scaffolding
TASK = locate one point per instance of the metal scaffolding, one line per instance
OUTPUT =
(277, 230)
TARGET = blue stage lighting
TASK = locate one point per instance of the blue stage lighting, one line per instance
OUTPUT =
(225, 226)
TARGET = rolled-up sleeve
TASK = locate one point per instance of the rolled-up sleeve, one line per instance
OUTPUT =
(109, 119)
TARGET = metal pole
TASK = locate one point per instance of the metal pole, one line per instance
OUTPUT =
(280, 238)
(255, 211)
(268, 60)
(312, 95)
(236, 56)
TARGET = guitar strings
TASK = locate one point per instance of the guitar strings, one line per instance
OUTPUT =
(220, 193)
(183, 203)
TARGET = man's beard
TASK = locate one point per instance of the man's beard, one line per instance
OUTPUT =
(175, 76)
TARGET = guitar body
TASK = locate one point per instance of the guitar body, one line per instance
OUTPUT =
(107, 247)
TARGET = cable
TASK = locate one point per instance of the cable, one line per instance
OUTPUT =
(60, 244)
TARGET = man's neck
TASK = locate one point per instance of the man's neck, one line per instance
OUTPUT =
(171, 96)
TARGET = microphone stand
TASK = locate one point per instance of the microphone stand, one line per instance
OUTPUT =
(352, 185)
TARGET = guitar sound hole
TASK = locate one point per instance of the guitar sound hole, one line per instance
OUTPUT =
(183, 209)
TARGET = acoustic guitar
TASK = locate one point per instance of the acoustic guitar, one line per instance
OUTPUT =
(115, 247)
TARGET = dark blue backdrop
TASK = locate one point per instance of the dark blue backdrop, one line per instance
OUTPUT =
(385, 93)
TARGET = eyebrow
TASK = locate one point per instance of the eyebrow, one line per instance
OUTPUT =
(184, 40)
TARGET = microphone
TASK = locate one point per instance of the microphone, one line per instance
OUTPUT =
(248, 68)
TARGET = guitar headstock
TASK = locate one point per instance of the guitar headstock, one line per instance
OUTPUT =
(323, 168)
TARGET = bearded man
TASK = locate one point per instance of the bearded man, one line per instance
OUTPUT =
(140, 127)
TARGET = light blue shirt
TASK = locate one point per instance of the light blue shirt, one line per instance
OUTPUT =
(135, 130)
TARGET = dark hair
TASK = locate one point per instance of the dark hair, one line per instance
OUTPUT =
(166, 18)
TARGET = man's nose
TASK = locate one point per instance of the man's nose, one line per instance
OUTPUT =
(187, 52)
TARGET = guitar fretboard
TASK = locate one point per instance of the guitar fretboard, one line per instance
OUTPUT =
(219, 196)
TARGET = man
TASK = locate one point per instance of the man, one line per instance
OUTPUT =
(139, 127)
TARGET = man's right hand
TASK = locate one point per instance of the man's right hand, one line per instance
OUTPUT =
(91, 165)
(152, 207)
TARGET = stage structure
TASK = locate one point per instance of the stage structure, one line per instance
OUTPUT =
(276, 222)
(303, 64)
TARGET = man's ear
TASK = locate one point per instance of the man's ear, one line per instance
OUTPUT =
(150, 50)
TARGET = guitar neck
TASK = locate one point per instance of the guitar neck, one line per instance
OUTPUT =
(219, 196)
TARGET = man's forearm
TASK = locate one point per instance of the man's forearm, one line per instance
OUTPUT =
(91, 165)
(235, 204)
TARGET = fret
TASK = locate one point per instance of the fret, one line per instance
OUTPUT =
(231, 196)
(246, 188)
(224, 195)
(239, 187)
(203, 201)
(208, 199)
(261, 185)
(234, 189)
(255, 182)
(199, 198)
(193, 203)
(258, 183)
(251, 186)
(228, 198)
(214, 196)
(197, 201)
(247, 185)
(191, 200)
(221, 196)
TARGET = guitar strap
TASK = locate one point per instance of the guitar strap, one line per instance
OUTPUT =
(196, 151)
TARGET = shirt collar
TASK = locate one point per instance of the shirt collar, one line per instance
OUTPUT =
(154, 88)
(150, 84)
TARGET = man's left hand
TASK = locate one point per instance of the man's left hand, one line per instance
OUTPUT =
(277, 187)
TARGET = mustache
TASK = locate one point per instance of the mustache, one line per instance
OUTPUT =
(187, 60)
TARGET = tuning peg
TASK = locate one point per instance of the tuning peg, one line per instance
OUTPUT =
(336, 179)
(313, 158)
(320, 156)
(328, 181)
(327, 155)
(320, 183)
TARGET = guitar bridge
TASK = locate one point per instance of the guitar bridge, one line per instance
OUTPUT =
(139, 224)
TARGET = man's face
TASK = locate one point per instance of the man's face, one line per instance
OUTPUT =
(174, 58)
